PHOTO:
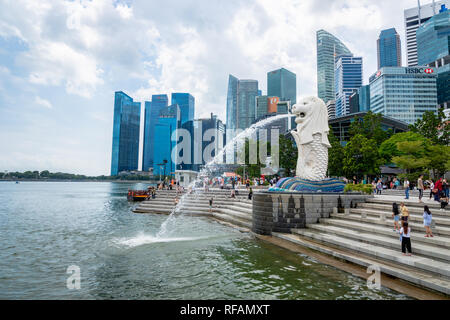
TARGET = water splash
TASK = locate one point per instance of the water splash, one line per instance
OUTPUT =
(217, 160)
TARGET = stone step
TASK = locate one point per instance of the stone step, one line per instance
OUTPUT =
(421, 263)
(239, 208)
(153, 210)
(388, 208)
(412, 216)
(408, 203)
(444, 231)
(438, 241)
(233, 220)
(362, 235)
(424, 279)
(234, 213)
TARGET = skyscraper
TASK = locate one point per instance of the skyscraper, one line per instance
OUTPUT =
(403, 93)
(348, 78)
(433, 49)
(125, 142)
(241, 103)
(152, 111)
(186, 102)
(328, 47)
(414, 18)
(168, 123)
(389, 49)
(282, 83)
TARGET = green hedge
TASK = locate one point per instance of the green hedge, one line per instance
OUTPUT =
(364, 188)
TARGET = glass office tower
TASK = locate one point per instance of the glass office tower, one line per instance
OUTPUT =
(282, 83)
(152, 111)
(328, 47)
(389, 50)
(186, 102)
(168, 123)
(433, 49)
(348, 79)
(403, 93)
(241, 103)
(414, 18)
(125, 142)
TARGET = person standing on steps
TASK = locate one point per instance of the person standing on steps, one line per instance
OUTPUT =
(406, 187)
(431, 184)
(437, 190)
(420, 187)
(427, 217)
(250, 194)
(210, 204)
(396, 216)
(405, 233)
(379, 187)
(445, 188)
(404, 211)
(444, 202)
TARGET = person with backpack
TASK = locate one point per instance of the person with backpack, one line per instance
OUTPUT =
(396, 216)
(437, 190)
(379, 187)
(427, 217)
(405, 234)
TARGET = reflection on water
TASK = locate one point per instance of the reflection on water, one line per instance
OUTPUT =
(46, 227)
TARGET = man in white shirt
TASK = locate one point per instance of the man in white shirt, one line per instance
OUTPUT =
(406, 186)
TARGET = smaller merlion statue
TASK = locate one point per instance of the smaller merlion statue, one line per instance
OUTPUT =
(311, 138)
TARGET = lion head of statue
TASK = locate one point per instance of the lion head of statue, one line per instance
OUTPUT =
(311, 118)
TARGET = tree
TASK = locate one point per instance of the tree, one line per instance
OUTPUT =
(438, 156)
(434, 127)
(388, 148)
(370, 127)
(288, 155)
(361, 157)
(413, 158)
(335, 156)
(45, 174)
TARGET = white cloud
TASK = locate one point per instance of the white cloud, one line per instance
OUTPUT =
(90, 49)
(42, 102)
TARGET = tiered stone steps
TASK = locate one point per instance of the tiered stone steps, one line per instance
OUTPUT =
(366, 235)
(236, 211)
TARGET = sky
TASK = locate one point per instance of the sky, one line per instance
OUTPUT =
(62, 61)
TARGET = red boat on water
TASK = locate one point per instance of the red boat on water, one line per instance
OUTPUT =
(138, 195)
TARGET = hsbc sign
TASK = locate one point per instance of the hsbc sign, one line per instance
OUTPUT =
(419, 70)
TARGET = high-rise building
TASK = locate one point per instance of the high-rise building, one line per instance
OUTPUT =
(152, 111)
(164, 145)
(353, 102)
(328, 47)
(282, 83)
(241, 103)
(433, 48)
(331, 108)
(364, 98)
(414, 18)
(403, 93)
(265, 105)
(187, 105)
(389, 49)
(348, 78)
(125, 142)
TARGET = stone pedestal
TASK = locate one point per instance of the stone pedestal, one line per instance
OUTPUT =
(283, 211)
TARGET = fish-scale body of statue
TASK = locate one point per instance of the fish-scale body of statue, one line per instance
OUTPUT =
(311, 138)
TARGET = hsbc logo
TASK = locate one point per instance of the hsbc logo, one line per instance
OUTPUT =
(420, 70)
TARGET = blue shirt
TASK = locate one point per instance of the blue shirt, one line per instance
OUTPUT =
(427, 218)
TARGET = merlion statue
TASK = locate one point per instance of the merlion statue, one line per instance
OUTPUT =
(311, 138)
